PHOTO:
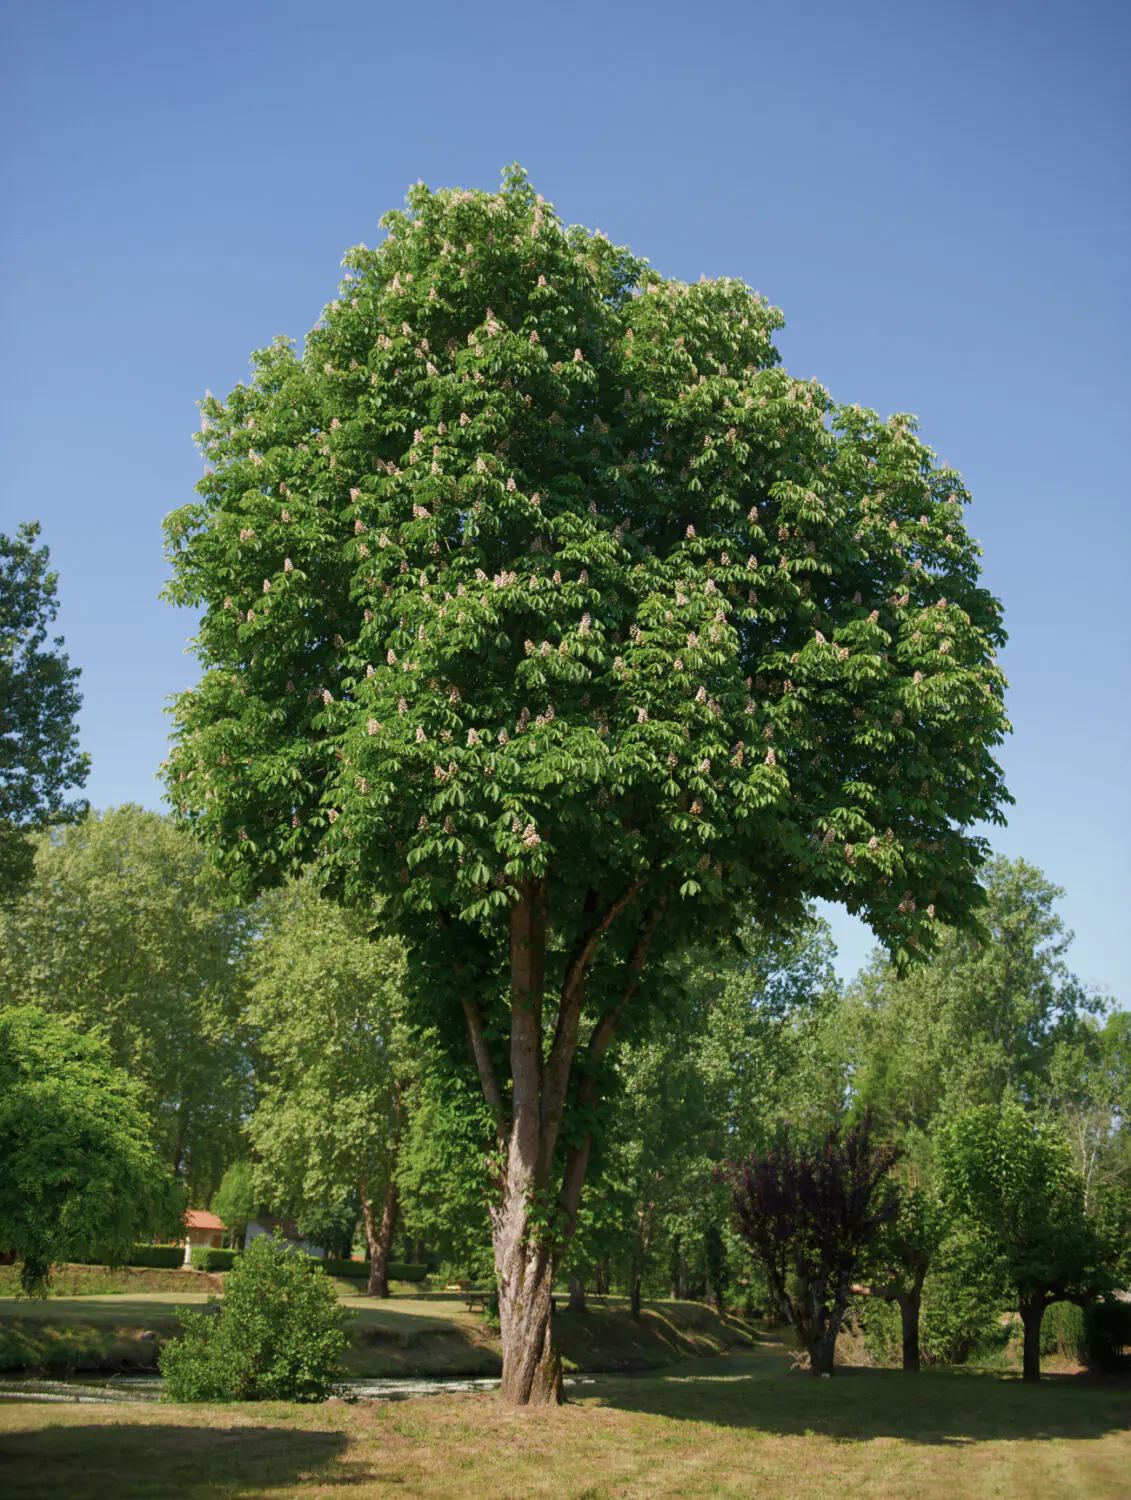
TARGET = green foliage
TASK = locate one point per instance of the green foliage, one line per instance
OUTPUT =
(443, 1169)
(332, 1226)
(156, 1257)
(1062, 1331)
(1011, 1175)
(964, 1301)
(39, 699)
(78, 1175)
(325, 1003)
(989, 1014)
(119, 929)
(399, 1270)
(534, 559)
(208, 1258)
(277, 1335)
(235, 1202)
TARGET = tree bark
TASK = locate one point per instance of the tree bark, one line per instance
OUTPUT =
(635, 1277)
(524, 1269)
(576, 1293)
(682, 1291)
(909, 1326)
(527, 1130)
(379, 1238)
(1032, 1311)
(822, 1353)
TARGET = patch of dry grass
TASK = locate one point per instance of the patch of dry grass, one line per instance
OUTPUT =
(739, 1426)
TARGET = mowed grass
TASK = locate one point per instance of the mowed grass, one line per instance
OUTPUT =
(739, 1426)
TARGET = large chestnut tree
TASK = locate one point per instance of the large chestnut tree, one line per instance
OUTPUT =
(539, 599)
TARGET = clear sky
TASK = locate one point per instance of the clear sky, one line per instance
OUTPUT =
(936, 196)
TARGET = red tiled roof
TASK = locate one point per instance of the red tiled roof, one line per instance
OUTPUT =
(200, 1218)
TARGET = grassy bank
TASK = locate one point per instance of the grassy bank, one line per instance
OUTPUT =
(100, 1281)
(737, 1426)
(406, 1335)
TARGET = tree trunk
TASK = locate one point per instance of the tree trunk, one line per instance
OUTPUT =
(532, 1366)
(635, 1277)
(524, 1259)
(528, 1126)
(576, 1293)
(1032, 1312)
(600, 1280)
(822, 1353)
(682, 1292)
(379, 1238)
(909, 1326)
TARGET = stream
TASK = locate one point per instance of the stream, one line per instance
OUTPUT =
(136, 1390)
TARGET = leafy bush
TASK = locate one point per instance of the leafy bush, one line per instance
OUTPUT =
(1062, 1331)
(879, 1322)
(359, 1269)
(277, 1335)
(153, 1257)
(205, 1258)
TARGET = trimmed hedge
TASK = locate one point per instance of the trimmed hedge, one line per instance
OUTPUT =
(148, 1257)
(359, 1269)
(205, 1258)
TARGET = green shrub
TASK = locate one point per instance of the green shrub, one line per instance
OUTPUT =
(1062, 1331)
(152, 1257)
(277, 1335)
(158, 1257)
(399, 1270)
(205, 1258)
(882, 1329)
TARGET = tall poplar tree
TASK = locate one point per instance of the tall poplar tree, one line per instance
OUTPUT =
(40, 761)
(539, 598)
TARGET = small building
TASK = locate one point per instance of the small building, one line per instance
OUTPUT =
(283, 1229)
(203, 1231)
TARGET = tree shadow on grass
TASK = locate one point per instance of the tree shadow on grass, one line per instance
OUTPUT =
(944, 1407)
(152, 1461)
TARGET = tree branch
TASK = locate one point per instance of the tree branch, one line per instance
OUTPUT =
(577, 1160)
(484, 1066)
(556, 1077)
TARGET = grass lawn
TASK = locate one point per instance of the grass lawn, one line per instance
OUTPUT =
(741, 1426)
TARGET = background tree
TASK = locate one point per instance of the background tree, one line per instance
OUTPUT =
(443, 1166)
(78, 1174)
(39, 699)
(986, 1016)
(810, 1218)
(1012, 1175)
(537, 597)
(119, 928)
(1090, 1094)
(908, 1245)
(236, 1202)
(326, 1003)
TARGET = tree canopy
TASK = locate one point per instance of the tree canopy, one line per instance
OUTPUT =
(119, 928)
(40, 761)
(327, 1006)
(78, 1173)
(1013, 1176)
(537, 597)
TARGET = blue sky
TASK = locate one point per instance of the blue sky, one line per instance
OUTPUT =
(936, 196)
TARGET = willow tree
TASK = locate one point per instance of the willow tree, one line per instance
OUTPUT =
(538, 598)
